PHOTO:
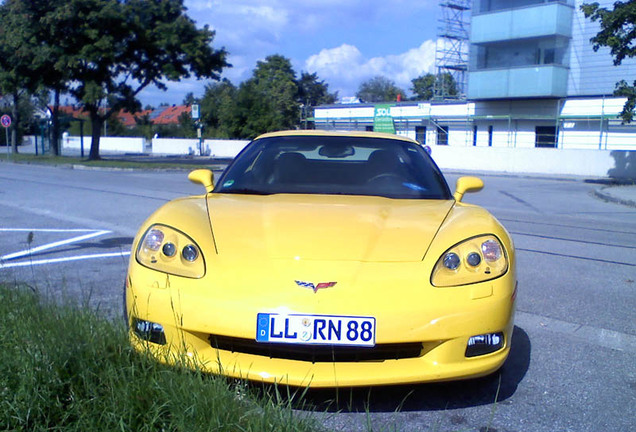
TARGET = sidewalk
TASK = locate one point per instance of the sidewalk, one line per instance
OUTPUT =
(625, 195)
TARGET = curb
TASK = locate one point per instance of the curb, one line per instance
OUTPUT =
(605, 196)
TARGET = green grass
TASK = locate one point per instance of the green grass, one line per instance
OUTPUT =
(65, 368)
(103, 163)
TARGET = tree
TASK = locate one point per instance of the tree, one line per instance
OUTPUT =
(189, 99)
(271, 99)
(114, 49)
(312, 91)
(268, 101)
(424, 85)
(219, 110)
(32, 53)
(19, 60)
(618, 31)
(379, 89)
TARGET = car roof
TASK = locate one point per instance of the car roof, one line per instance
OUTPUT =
(337, 134)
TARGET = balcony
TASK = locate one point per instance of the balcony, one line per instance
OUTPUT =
(522, 82)
(551, 19)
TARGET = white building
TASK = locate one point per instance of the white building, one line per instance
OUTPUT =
(534, 81)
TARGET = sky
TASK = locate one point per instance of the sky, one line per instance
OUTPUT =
(345, 42)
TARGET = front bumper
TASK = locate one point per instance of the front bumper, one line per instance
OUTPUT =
(190, 323)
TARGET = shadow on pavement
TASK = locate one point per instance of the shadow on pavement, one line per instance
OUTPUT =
(437, 396)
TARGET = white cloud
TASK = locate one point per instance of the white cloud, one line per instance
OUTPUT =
(344, 68)
(250, 30)
(343, 61)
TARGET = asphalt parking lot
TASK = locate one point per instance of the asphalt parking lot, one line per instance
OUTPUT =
(68, 232)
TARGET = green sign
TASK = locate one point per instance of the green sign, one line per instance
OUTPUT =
(382, 119)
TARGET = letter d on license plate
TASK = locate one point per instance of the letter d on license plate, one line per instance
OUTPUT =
(315, 329)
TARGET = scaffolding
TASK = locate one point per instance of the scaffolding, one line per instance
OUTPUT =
(452, 48)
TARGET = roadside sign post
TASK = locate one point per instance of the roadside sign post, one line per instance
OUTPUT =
(5, 120)
(196, 115)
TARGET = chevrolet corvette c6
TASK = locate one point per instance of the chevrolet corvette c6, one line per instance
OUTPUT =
(325, 259)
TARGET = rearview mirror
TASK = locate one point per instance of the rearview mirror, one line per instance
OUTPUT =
(467, 184)
(204, 177)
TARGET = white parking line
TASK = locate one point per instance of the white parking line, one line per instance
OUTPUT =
(53, 245)
(29, 252)
(66, 259)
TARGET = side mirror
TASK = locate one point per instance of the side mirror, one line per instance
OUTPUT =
(467, 184)
(204, 177)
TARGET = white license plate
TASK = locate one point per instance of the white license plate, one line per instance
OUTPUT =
(315, 329)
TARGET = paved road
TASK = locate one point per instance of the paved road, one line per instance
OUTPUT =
(572, 365)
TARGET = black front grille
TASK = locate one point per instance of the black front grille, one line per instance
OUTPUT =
(318, 353)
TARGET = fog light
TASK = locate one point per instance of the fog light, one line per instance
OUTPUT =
(484, 344)
(149, 331)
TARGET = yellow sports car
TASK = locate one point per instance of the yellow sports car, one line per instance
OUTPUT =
(325, 259)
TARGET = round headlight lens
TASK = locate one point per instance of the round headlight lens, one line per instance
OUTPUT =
(451, 261)
(473, 259)
(169, 249)
(190, 253)
(153, 240)
(491, 250)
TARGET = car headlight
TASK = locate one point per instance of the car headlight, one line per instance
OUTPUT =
(474, 260)
(170, 251)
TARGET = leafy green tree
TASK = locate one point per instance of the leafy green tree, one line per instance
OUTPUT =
(272, 99)
(114, 49)
(19, 60)
(143, 126)
(618, 31)
(186, 127)
(29, 35)
(312, 91)
(379, 89)
(268, 101)
(424, 85)
(219, 110)
(189, 99)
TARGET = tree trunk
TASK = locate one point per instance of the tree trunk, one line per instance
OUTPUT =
(96, 124)
(15, 122)
(55, 124)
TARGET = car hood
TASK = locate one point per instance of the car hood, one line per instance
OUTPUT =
(324, 227)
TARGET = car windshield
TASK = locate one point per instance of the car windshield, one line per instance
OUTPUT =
(334, 165)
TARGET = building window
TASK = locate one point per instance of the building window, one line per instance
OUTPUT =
(545, 136)
(368, 128)
(490, 129)
(420, 134)
(475, 136)
(497, 5)
(442, 135)
(531, 52)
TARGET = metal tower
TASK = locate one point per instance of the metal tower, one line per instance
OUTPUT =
(451, 53)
